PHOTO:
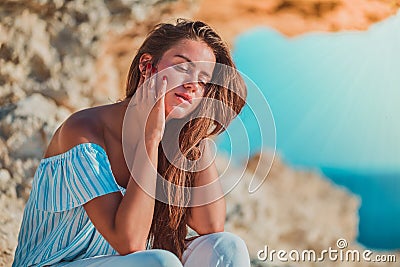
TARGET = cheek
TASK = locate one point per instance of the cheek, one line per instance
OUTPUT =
(168, 101)
(174, 110)
(174, 78)
(196, 103)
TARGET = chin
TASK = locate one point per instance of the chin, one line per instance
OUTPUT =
(177, 113)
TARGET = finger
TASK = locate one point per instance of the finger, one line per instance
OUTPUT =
(146, 82)
(138, 96)
(142, 88)
(163, 89)
(141, 80)
(152, 93)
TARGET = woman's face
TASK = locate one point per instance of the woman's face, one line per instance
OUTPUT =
(186, 77)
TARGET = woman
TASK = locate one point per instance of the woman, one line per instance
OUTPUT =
(85, 210)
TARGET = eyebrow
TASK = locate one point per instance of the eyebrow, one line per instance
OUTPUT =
(191, 63)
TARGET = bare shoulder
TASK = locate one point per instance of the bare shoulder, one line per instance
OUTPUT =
(81, 127)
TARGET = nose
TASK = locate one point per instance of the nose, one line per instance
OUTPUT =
(192, 87)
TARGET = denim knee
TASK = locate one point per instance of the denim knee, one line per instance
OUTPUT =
(230, 249)
(164, 258)
(157, 258)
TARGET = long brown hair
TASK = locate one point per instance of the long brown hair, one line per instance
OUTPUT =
(168, 229)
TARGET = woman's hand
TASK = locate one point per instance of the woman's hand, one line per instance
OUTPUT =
(125, 221)
(147, 106)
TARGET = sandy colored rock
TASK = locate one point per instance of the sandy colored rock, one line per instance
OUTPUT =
(119, 48)
(27, 129)
(11, 210)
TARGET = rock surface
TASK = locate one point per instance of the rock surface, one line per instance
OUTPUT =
(57, 57)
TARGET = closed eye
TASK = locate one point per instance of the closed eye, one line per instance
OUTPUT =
(181, 67)
(203, 80)
(203, 83)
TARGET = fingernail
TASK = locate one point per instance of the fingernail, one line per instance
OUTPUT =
(164, 78)
(154, 70)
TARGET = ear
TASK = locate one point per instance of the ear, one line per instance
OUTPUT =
(144, 59)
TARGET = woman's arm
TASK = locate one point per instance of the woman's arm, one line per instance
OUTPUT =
(208, 218)
(125, 222)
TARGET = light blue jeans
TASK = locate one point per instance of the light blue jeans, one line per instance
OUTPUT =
(222, 249)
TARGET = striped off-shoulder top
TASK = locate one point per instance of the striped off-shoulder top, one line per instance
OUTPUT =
(55, 227)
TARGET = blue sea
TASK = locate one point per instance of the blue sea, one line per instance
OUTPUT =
(380, 208)
(334, 99)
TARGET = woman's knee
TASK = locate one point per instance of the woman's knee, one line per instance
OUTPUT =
(164, 258)
(229, 241)
(155, 258)
(227, 248)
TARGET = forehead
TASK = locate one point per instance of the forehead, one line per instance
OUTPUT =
(192, 49)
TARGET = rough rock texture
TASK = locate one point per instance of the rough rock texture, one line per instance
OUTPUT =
(52, 47)
(57, 57)
(119, 48)
(10, 219)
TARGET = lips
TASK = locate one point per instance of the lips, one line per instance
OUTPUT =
(185, 96)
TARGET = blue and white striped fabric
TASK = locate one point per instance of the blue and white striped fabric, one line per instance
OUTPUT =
(55, 227)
